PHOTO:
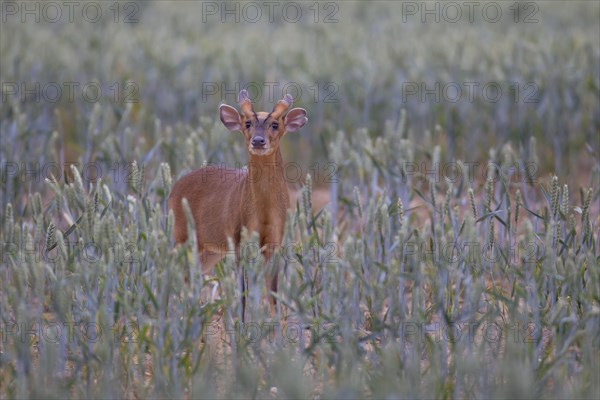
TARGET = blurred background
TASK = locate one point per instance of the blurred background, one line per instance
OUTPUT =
(471, 78)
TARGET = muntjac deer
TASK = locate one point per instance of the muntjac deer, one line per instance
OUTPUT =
(223, 200)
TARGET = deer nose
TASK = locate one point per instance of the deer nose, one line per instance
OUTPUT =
(258, 141)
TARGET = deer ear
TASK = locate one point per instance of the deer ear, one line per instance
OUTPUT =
(295, 119)
(230, 117)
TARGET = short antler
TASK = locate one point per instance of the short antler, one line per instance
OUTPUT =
(282, 106)
(245, 103)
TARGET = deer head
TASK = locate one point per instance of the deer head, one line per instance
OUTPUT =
(262, 130)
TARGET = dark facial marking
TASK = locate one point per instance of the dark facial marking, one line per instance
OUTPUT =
(268, 116)
(262, 122)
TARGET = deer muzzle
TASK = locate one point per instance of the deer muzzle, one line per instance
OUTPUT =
(258, 142)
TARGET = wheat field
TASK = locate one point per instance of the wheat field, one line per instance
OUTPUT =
(443, 237)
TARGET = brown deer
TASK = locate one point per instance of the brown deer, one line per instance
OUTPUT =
(223, 200)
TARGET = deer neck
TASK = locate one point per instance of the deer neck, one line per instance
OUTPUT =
(266, 182)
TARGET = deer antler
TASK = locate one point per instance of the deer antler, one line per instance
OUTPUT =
(282, 106)
(245, 103)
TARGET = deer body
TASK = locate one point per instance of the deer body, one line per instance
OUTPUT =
(224, 200)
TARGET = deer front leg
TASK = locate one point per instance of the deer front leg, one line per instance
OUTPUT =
(271, 276)
(208, 259)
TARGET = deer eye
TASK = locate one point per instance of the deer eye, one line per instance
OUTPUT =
(248, 123)
(275, 126)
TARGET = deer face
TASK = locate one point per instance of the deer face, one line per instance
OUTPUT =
(262, 130)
